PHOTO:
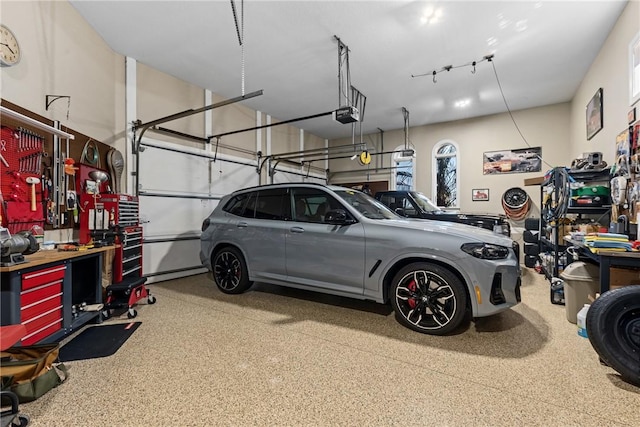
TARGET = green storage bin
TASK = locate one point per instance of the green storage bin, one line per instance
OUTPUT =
(594, 190)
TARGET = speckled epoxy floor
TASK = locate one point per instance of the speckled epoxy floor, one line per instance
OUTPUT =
(276, 356)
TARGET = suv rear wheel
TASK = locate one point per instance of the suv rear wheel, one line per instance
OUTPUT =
(230, 271)
(428, 298)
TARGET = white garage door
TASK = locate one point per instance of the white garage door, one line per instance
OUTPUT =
(178, 187)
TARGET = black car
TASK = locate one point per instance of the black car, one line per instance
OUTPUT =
(413, 204)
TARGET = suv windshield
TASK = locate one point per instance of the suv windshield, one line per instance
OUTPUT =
(424, 203)
(366, 205)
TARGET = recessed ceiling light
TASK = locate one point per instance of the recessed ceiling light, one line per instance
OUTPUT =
(492, 41)
(504, 24)
(428, 11)
(462, 103)
(431, 15)
(521, 25)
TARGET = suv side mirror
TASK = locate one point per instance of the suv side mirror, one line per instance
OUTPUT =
(400, 212)
(338, 217)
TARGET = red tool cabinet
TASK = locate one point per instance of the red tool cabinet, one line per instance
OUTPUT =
(41, 303)
(106, 212)
(40, 293)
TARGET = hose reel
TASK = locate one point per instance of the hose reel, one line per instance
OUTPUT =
(516, 203)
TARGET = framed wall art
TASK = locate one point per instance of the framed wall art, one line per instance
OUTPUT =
(520, 160)
(634, 70)
(480, 195)
(594, 114)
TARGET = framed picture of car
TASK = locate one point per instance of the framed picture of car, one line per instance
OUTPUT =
(480, 195)
(594, 114)
(519, 160)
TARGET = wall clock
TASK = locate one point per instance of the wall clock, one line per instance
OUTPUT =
(10, 52)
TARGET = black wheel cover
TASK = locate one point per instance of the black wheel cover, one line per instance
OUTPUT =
(613, 327)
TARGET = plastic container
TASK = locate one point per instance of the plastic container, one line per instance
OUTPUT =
(582, 321)
(580, 280)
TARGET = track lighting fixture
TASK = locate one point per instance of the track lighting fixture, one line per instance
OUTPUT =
(448, 68)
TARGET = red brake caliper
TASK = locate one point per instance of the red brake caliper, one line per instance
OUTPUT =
(412, 288)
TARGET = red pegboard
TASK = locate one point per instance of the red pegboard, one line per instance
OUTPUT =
(22, 153)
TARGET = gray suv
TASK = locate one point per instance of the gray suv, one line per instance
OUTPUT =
(343, 242)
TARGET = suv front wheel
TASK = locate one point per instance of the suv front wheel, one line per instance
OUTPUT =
(428, 298)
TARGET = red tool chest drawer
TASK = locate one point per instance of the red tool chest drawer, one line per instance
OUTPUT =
(34, 295)
(37, 308)
(42, 333)
(44, 320)
(41, 277)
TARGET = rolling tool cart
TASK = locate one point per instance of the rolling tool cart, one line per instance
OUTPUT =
(130, 285)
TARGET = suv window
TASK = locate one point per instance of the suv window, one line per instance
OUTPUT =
(271, 204)
(311, 204)
(237, 204)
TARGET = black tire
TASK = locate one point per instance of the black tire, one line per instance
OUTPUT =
(530, 236)
(230, 271)
(428, 298)
(613, 327)
(530, 260)
(532, 224)
(531, 249)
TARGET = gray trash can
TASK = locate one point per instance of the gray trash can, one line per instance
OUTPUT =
(580, 280)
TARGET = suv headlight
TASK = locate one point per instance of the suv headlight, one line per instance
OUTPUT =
(485, 250)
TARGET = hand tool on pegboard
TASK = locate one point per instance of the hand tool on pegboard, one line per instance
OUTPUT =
(3, 147)
(72, 196)
(2, 209)
(20, 149)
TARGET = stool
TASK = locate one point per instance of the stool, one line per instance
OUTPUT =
(126, 294)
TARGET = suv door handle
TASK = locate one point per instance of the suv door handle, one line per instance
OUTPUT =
(296, 230)
(242, 225)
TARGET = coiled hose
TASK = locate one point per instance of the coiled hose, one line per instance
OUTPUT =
(516, 203)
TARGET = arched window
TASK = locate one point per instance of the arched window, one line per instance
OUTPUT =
(402, 175)
(445, 174)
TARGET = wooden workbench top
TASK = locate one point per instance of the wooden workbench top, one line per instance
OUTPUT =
(45, 257)
(619, 254)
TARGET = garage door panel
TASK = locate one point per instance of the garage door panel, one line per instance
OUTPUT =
(170, 171)
(169, 256)
(168, 216)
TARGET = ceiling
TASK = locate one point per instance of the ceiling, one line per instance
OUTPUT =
(542, 50)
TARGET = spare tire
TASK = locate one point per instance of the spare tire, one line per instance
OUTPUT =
(613, 327)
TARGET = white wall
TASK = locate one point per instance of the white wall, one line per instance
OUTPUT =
(609, 71)
(62, 55)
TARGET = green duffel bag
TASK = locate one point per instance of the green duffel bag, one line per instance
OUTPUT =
(31, 371)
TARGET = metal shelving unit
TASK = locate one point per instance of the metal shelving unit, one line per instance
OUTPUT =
(554, 192)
